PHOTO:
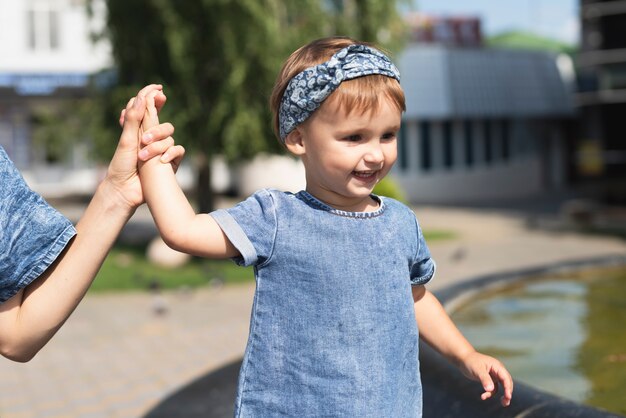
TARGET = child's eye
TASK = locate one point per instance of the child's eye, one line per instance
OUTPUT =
(389, 135)
(353, 138)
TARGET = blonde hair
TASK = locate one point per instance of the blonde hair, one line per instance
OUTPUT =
(360, 94)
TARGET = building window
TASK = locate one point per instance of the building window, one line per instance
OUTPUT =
(487, 141)
(448, 158)
(43, 25)
(506, 140)
(468, 138)
(403, 148)
(426, 158)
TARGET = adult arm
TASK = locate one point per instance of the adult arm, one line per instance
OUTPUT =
(179, 225)
(437, 330)
(30, 318)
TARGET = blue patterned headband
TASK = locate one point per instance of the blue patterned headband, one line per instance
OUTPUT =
(307, 90)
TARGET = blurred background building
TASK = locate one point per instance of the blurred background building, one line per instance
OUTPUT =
(47, 60)
(601, 156)
(482, 122)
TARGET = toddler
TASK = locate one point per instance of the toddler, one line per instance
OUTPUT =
(340, 272)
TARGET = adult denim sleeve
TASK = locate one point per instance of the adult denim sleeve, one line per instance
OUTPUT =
(32, 233)
(251, 227)
(423, 268)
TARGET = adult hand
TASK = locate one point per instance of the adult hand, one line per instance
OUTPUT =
(122, 173)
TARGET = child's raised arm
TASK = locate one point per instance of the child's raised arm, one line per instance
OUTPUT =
(438, 330)
(180, 227)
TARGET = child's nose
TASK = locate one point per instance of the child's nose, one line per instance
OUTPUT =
(374, 153)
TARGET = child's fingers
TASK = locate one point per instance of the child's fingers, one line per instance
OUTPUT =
(173, 155)
(499, 376)
(490, 385)
(156, 148)
(169, 152)
(502, 375)
(151, 118)
(157, 133)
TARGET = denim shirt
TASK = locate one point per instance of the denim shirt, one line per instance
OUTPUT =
(333, 329)
(32, 233)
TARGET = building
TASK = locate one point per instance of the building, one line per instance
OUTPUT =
(601, 98)
(47, 60)
(482, 123)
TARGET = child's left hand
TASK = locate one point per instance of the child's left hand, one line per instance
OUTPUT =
(491, 373)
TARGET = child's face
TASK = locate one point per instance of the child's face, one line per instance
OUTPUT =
(345, 155)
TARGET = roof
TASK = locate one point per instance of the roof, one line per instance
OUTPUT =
(442, 82)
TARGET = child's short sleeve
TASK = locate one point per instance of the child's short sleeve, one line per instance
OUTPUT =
(32, 233)
(251, 227)
(423, 268)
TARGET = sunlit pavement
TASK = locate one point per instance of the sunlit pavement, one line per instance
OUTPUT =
(117, 357)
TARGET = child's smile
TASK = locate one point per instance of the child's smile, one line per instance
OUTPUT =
(346, 154)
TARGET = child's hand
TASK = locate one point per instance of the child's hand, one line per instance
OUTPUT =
(159, 102)
(158, 139)
(491, 373)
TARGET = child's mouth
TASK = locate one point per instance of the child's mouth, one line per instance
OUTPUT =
(367, 176)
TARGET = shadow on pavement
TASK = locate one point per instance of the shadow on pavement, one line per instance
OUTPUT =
(211, 396)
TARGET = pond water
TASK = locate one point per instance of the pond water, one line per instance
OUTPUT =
(564, 334)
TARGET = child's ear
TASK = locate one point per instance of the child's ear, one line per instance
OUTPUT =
(294, 142)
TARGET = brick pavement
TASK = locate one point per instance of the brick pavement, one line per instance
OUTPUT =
(116, 358)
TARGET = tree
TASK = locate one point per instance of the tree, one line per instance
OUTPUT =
(218, 60)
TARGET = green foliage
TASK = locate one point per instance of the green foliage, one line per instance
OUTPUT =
(527, 40)
(57, 128)
(388, 187)
(218, 60)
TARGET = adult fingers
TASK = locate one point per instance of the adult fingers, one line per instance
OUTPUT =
(159, 101)
(123, 112)
(132, 120)
(148, 89)
(157, 133)
(122, 115)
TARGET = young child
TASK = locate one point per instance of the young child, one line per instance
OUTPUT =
(340, 272)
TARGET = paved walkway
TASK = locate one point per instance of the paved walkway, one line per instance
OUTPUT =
(116, 358)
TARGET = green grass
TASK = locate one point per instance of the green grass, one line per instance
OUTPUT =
(127, 268)
(438, 235)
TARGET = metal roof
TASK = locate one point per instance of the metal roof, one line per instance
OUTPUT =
(444, 83)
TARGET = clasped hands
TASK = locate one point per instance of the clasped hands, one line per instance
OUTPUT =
(136, 146)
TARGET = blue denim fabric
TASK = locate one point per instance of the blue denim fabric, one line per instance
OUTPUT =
(333, 330)
(32, 233)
